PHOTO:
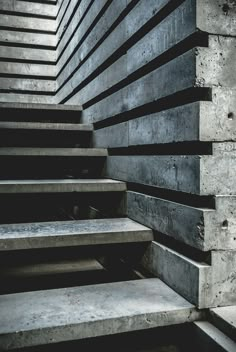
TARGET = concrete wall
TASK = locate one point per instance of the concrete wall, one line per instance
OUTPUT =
(158, 80)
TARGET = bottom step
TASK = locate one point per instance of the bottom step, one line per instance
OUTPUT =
(209, 339)
(43, 317)
(225, 320)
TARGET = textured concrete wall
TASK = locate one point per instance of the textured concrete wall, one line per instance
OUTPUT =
(157, 78)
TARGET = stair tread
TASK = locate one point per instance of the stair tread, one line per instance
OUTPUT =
(42, 317)
(225, 319)
(50, 267)
(46, 126)
(72, 233)
(213, 339)
(32, 106)
(24, 151)
(61, 185)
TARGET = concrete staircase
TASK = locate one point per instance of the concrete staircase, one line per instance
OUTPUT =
(80, 266)
(74, 249)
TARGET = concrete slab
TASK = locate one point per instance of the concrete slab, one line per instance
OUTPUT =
(35, 318)
(28, 39)
(39, 106)
(24, 69)
(12, 97)
(11, 125)
(72, 233)
(27, 23)
(61, 186)
(225, 320)
(203, 228)
(54, 152)
(26, 270)
(27, 54)
(210, 339)
(44, 10)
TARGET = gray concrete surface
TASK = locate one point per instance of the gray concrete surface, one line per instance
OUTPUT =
(210, 339)
(225, 319)
(11, 125)
(72, 233)
(55, 186)
(54, 152)
(75, 313)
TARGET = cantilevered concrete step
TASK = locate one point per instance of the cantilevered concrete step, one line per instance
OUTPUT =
(37, 40)
(45, 126)
(46, 268)
(42, 317)
(72, 233)
(9, 53)
(32, 8)
(14, 125)
(54, 152)
(26, 23)
(225, 320)
(61, 186)
(210, 339)
(51, 107)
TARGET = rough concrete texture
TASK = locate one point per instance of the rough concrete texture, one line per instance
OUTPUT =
(202, 284)
(202, 228)
(49, 268)
(216, 16)
(194, 174)
(210, 339)
(27, 38)
(198, 121)
(16, 6)
(27, 54)
(54, 152)
(55, 186)
(72, 233)
(22, 69)
(28, 85)
(11, 125)
(75, 313)
(225, 319)
(39, 107)
(19, 22)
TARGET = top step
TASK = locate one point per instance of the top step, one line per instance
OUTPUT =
(39, 112)
(43, 317)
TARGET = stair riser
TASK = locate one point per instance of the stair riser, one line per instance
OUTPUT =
(33, 167)
(21, 208)
(45, 138)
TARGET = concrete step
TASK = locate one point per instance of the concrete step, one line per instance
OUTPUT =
(44, 317)
(72, 233)
(32, 8)
(54, 152)
(45, 268)
(33, 112)
(27, 23)
(61, 186)
(27, 85)
(26, 98)
(33, 70)
(224, 318)
(210, 339)
(9, 53)
(14, 125)
(39, 40)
